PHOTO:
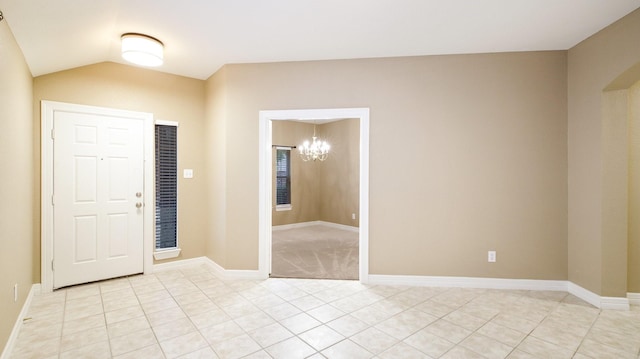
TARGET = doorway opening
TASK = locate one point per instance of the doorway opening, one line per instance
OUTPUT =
(267, 119)
(315, 209)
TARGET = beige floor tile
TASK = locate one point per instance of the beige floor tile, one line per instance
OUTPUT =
(595, 349)
(128, 343)
(348, 325)
(126, 327)
(326, 313)
(240, 310)
(346, 349)
(81, 291)
(542, 349)
(114, 285)
(221, 332)
(406, 323)
(150, 352)
(307, 302)
(429, 344)
(461, 353)
(374, 340)
(254, 321)
(267, 301)
(561, 337)
(514, 322)
(201, 306)
(300, 323)
(518, 354)
(36, 349)
(321, 337)
(466, 321)
(190, 298)
(119, 315)
(159, 305)
(236, 347)
(82, 324)
(165, 316)
(448, 331)
(173, 329)
(83, 338)
(211, 318)
(291, 348)
(402, 350)
(271, 334)
(486, 346)
(36, 332)
(183, 344)
(436, 308)
(99, 350)
(282, 311)
(261, 355)
(83, 311)
(628, 341)
(119, 303)
(502, 334)
(204, 353)
(153, 296)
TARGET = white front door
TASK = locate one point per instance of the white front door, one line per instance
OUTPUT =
(98, 196)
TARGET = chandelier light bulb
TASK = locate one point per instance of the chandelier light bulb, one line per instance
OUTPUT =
(316, 150)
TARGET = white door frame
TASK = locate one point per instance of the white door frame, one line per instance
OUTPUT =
(265, 188)
(48, 108)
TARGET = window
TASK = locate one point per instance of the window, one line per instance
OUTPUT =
(283, 178)
(166, 156)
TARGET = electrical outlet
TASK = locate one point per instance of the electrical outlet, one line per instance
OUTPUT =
(15, 292)
(491, 256)
(353, 216)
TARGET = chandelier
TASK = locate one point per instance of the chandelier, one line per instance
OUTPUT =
(316, 150)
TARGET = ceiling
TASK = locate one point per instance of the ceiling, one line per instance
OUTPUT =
(200, 36)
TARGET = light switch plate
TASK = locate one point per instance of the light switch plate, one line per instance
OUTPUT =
(188, 173)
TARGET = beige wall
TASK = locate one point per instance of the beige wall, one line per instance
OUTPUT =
(321, 191)
(340, 173)
(168, 97)
(480, 141)
(633, 272)
(216, 167)
(16, 182)
(596, 236)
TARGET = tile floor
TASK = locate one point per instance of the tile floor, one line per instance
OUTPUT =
(190, 313)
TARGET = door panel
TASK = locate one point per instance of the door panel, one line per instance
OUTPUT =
(98, 169)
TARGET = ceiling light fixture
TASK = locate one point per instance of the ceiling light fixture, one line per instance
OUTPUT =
(317, 150)
(142, 50)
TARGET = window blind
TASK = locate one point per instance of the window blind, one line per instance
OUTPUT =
(166, 186)
(283, 176)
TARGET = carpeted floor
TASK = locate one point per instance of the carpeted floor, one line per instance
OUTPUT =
(318, 251)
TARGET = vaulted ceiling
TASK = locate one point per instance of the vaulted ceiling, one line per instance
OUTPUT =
(202, 35)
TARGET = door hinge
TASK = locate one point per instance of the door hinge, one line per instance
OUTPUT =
(53, 134)
(52, 265)
(53, 201)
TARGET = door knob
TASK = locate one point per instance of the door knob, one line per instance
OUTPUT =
(138, 205)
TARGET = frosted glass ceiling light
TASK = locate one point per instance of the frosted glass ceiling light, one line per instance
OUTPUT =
(142, 50)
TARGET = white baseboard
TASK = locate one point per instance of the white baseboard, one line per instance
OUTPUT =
(161, 267)
(315, 223)
(8, 348)
(230, 274)
(469, 282)
(612, 303)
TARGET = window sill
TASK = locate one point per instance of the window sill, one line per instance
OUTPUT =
(166, 253)
(283, 207)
